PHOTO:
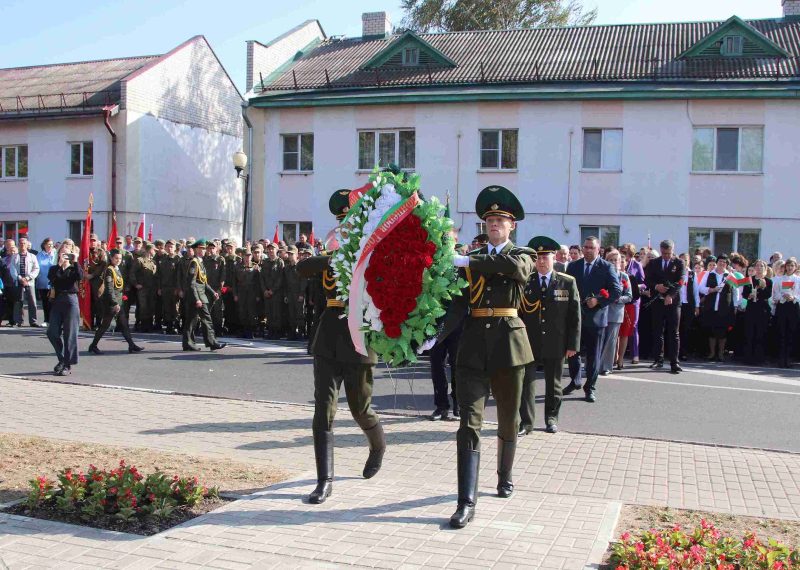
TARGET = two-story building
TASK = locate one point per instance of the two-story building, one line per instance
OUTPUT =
(149, 135)
(680, 130)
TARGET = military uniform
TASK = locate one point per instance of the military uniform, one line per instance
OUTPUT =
(197, 290)
(158, 257)
(215, 270)
(551, 311)
(493, 350)
(293, 297)
(247, 295)
(272, 284)
(112, 297)
(336, 362)
(94, 274)
(167, 281)
(230, 312)
(143, 280)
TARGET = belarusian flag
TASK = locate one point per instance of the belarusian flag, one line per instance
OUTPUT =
(787, 285)
(736, 279)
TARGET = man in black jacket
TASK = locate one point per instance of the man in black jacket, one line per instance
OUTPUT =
(664, 277)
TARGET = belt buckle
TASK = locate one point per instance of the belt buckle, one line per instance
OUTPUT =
(490, 312)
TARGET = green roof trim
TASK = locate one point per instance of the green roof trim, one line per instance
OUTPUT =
(406, 40)
(280, 70)
(758, 45)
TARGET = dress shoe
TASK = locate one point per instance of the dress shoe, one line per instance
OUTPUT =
(675, 368)
(571, 387)
(523, 431)
(551, 428)
(93, 349)
(59, 367)
(377, 447)
(590, 397)
(192, 349)
(219, 346)
(134, 348)
(657, 364)
(65, 371)
(437, 415)
(456, 413)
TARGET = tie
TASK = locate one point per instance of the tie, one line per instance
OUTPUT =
(544, 283)
(665, 263)
(586, 272)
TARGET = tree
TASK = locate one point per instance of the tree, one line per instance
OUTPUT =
(465, 15)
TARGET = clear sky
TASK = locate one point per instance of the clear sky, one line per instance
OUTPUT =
(36, 32)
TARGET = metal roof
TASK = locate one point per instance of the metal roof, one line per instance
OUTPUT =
(632, 52)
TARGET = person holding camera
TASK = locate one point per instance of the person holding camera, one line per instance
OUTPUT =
(62, 331)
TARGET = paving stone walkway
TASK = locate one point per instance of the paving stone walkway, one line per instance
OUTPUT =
(569, 488)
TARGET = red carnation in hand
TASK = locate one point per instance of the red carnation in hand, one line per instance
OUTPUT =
(124, 297)
(604, 293)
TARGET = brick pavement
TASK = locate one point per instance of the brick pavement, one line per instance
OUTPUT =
(570, 488)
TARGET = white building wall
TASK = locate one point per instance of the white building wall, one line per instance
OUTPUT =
(262, 59)
(655, 194)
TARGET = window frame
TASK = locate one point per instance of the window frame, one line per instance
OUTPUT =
(81, 159)
(603, 146)
(5, 226)
(715, 129)
(376, 148)
(298, 229)
(408, 61)
(300, 155)
(16, 148)
(712, 238)
(499, 149)
(600, 233)
(738, 46)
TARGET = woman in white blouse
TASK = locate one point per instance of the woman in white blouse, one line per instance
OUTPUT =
(785, 296)
(717, 312)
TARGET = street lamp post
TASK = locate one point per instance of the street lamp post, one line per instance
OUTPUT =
(239, 164)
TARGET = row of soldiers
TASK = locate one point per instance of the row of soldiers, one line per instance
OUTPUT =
(260, 292)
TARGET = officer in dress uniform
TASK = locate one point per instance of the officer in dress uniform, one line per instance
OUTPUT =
(215, 270)
(143, 280)
(231, 260)
(494, 347)
(197, 296)
(335, 362)
(551, 310)
(113, 291)
(246, 294)
(167, 283)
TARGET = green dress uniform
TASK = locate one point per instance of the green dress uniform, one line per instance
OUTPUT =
(552, 315)
(246, 293)
(198, 290)
(272, 284)
(293, 297)
(336, 362)
(158, 257)
(94, 274)
(167, 281)
(492, 352)
(143, 279)
(215, 271)
(230, 313)
(113, 291)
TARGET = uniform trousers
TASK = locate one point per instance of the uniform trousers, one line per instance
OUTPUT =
(122, 325)
(216, 314)
(274, 310)
(62, 330)
(230, 314)
(447, 349)
(194, 315)
(472, 388)
(666, 317)
(329, 375)
(169, 307)
(591, 345)
(553, 371)
(294, 314)
(146, 303)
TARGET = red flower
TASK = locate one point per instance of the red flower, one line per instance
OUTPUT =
(603, 293)
(124, 297)
(113, 490)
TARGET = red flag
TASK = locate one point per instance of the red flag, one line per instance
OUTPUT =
(150, 233)
(140, 232)
(85, 297)
(276, 239)
(112, 235)
(311, 237)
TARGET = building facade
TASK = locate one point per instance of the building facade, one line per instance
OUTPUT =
(627, 132)
(145, 135)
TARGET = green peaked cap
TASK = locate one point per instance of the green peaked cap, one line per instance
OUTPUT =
(544, 244)
(498, 201)
(200, 243)
(339, 203)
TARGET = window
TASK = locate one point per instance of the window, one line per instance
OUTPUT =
(602, 149)
(481, 229)
(75, 230)
(14, 230)
(746, 242)
(389, 147)
(411, 56)
(291, 231)
(728, 149)
(732, 45)
(81, 158)
(14, 161)
(608, 235)
(499, 149)
(298, 152)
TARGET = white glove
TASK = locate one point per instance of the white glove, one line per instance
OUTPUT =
(427, 345)
(461, 260)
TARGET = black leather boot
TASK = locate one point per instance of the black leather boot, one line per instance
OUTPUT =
(505, 461)
(377, 447)
(323, 453)
(468, 463)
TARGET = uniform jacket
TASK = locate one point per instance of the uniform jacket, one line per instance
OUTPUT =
(197, 289)
(601, 276)
(167, 274)
(112, 296)
(332, 339)
(144, 272)
(272, 276)
(292, 283)
(495, 281)
(654, 274)
(215, 269)
(552, 319)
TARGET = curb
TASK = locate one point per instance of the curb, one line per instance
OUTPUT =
(604, 536)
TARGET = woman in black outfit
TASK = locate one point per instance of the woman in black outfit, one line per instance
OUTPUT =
(757, 314)
(718, 310)
(65, 313)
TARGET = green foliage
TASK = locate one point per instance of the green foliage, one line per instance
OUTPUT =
(463, 15)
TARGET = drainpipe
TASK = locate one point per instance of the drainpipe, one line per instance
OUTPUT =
(246, 211)
(108, 112)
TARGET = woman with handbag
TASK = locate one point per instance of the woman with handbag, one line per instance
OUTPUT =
(65, 314)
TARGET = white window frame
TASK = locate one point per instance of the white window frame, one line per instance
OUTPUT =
(410, 56)
(603, 147)
(376, 148)
(736, 49)
(714, 169)
(82, 159)
(299, 138)
(712, 237)
(297, 230)
(499, 167)
(16, 176)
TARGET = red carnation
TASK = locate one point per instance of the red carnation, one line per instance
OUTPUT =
(604, 293)
(124, 297)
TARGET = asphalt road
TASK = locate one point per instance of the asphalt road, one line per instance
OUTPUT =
(716, 404)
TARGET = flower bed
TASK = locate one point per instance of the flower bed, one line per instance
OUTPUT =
(704, 547)
(121, 499)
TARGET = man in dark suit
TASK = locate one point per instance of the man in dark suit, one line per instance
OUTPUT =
(551, 311)
(664, 278)
(598, 285)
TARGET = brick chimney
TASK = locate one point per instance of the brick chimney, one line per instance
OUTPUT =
(378, 24)
(791, 8)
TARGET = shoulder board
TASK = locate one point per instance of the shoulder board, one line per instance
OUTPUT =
(475, 251)
(564, 276)
(521, 249)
